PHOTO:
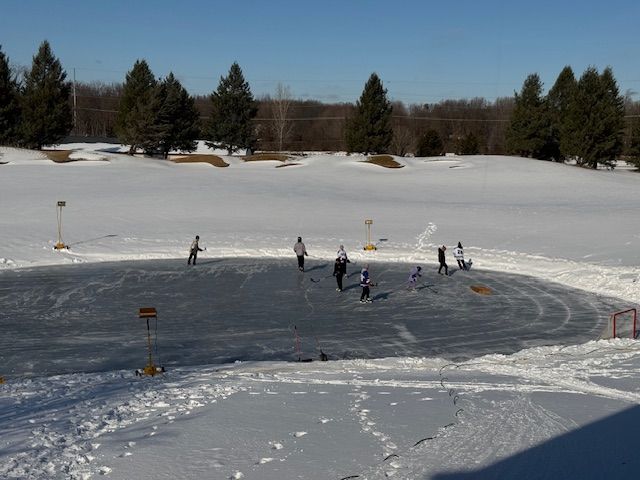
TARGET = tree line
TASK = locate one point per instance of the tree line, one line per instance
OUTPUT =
(586, 120)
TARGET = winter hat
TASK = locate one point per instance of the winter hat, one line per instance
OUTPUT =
(459, 245)
(197, 237)
(299, 239)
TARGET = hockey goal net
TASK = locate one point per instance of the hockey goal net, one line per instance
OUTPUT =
(623, 324)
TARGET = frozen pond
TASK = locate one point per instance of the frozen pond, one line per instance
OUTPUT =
(85, 317)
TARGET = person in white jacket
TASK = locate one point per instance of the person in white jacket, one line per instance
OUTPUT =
(415, 273)
(301, 251)
(459, 256)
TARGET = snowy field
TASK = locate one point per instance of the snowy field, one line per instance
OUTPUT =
(441, 383)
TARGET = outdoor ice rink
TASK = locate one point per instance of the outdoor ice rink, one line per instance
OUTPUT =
(85, 317)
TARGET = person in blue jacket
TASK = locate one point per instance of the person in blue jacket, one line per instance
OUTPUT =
(365, 283)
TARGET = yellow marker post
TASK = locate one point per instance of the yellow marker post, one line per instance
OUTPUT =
(369, 245)
(60, 245)
(151, 368)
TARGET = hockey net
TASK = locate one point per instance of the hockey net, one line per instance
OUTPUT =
(623, 324)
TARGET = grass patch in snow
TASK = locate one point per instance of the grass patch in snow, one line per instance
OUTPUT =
(59, 156)
(261, 157)
(386, 161)
(214, 160)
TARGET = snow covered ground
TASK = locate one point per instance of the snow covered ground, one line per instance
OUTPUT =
(565, 406)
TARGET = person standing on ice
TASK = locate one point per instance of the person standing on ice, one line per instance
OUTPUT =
(365, 283)
(342, 255)
(338, 271)
(415, 273)
(193, 251)
(459, 256)
(301, 251)
(442, 260)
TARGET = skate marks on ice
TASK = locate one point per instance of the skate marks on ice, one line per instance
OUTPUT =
(84, 317)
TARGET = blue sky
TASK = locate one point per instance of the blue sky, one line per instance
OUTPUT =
(424, 51)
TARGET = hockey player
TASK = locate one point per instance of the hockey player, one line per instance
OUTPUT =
(342, 254)
(193, 251)
(301, 252)
(442, 260)
(365, 283)
(338, 271)
(415, 273)
(459, 256)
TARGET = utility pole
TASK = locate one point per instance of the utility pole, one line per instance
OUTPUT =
(75, 104)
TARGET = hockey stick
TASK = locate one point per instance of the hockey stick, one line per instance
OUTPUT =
(320, 279)
(430, 288)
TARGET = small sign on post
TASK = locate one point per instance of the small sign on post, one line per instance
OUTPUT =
(60, 244)
(369, 245)
(151, 368)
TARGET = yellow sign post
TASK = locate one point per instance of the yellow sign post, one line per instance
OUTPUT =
(369, 245)
(151, 368)
(60, 245)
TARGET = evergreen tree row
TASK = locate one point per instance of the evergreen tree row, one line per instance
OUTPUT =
(35, 111)
(160, 116)
(581, 120)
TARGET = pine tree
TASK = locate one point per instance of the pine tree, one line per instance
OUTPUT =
(138, 109)
(369, 129)
(595, 120)
(429, 145)
(46, 113)
(469, 145)
(558, 101)
(612, 122)
(234, 108)
(633, 147)
(178, 119)
(9, 104)
(528, 132)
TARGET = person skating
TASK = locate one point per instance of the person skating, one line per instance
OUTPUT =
(193, 251)
(365, 283)
(338, 271)
(415, 273)
(458, 254)
(342, 254)
(442, 260)
(301, 252)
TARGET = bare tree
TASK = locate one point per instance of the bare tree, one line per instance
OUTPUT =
(282, 124)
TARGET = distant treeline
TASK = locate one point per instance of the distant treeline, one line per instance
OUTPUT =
(318, 126)
(586, 120)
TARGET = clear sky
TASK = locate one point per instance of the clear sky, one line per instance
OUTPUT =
(424, 51)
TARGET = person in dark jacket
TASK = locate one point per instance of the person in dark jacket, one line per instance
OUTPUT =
(338, 271)
(193, 251)
(301, 251)
(342, 254)
(442, 260)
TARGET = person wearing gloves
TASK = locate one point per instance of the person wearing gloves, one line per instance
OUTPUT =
(442, 260)
(365, 283)
(193, 251)
(459, 256)
(415, 273)
(342, 255)
(301, 252)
